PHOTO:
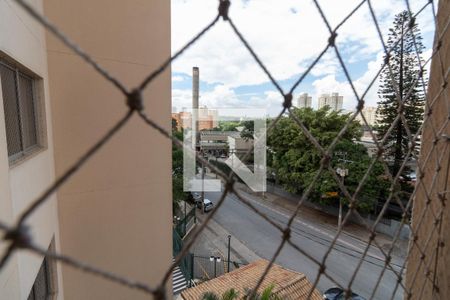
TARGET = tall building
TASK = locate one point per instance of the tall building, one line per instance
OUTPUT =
(101, 215)
(370, 114)
(304, 101)
(334, 101)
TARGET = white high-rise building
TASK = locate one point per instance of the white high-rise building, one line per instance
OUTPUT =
(304, 101)
(370, 114)
(334, 101)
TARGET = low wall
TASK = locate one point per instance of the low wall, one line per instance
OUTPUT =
(385, 226)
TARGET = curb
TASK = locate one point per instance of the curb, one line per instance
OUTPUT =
(238, 250)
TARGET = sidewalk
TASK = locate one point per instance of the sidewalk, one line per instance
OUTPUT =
(352, 230)
(213, 240)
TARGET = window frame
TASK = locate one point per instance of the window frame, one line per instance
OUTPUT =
(38, 110)
(51, 279)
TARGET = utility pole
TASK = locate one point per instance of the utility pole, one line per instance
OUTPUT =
(203, 189)
(229, 247)
(342, 173)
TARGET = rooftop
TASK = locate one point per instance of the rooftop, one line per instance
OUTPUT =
(288, 284)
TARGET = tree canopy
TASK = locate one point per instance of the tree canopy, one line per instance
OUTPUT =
(177, 169)
(296, 161)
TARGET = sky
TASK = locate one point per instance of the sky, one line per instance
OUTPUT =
(287, 35)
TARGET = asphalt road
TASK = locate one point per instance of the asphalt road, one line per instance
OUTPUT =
(262, 238)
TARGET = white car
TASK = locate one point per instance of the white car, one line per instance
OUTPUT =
(207, 205)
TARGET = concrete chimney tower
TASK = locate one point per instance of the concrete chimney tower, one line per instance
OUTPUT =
(195, 91)
(195, 87)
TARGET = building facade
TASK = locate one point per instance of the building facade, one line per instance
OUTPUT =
(115, 212)
(304, 101)
(27, 163)
(207, 119)
(223, 142)
(334, 101)
(370, 114)
(183, 119)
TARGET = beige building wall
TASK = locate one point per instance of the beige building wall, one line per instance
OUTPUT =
(334, 101)
(370, 114)
(115, 213)
(23, 44)
(304, 101)
(428, 275)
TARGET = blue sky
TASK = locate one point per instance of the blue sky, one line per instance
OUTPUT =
(287, 35)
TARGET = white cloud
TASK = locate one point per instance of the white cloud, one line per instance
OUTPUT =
(223, 96)
(285, 34)
(330, 84)
(327, 65)
(177, 78)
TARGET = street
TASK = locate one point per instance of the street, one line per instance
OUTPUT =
(262, 238)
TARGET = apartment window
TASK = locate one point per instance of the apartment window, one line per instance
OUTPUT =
(45, 285)
(19, 104)
(42, 287)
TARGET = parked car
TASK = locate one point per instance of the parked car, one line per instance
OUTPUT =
(207, 204)
(193, 197)
(336, 293)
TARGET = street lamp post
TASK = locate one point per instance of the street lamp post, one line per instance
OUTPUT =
(229, 248)
(215, 259)
(203, 189)
(342, 173)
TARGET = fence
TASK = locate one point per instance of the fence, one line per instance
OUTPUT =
(205, 268)
(185, 264)
(185, 224)
(428, 233)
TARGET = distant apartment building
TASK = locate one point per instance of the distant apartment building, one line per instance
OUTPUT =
(334, 101)
(53, 108)
(183, 119)
(207, 119)
(304, 101)
(370, 114)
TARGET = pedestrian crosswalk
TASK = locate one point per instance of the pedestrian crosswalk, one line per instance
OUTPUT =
(178, 281)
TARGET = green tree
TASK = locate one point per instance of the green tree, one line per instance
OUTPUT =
(228, 125)
(267, 294)
(248, 129)
(177, 170)
(232, 294)
(405, 79)
(296, 161)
